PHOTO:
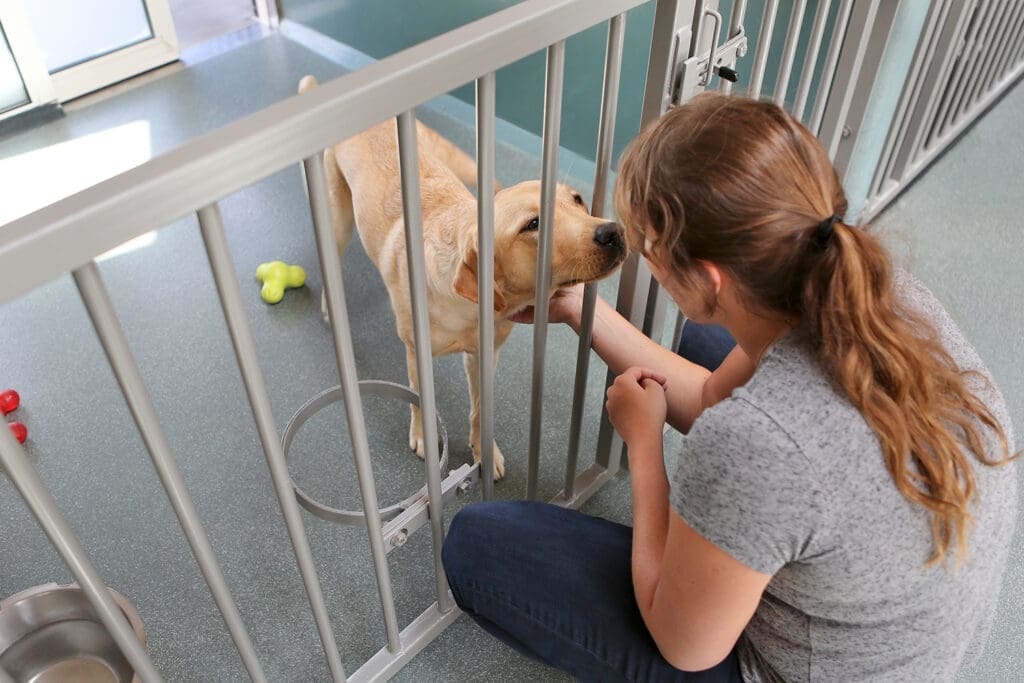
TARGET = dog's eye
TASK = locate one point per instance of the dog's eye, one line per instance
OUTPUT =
(532, 226)
(578, 199)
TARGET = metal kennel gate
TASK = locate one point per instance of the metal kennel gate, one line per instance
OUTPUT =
(693, 47)
(970, 53)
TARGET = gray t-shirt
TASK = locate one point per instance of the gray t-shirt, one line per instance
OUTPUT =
(787, 477)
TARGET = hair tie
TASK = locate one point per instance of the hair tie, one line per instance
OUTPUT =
(824, 231)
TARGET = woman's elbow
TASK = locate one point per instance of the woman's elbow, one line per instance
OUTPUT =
(698, 661)
(696, 656)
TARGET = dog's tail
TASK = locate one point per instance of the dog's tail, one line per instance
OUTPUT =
(307, 83)
(337, 188)
(339, 194)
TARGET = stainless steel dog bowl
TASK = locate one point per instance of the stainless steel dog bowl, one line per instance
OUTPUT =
(52, 634)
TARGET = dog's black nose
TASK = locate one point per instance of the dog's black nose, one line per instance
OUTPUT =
(608, 235)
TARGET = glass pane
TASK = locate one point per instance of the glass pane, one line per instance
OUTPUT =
(12, 89)
(73, 31)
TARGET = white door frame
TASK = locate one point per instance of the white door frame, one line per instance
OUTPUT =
(116, 66)
(27, 57)
(268, 12)
(92, 74)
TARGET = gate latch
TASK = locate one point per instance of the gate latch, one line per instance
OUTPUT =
(692, 74)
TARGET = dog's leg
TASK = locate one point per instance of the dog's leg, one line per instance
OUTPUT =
(416, 421)
(471, 362)
(342, 214)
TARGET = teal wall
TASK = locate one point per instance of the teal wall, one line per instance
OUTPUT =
(382, 27)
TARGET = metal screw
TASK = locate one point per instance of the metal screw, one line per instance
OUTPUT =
(464, 486)
(400, 538)
(847, 132)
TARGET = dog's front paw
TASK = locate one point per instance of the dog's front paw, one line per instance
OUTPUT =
(416, 438)
(499, 460)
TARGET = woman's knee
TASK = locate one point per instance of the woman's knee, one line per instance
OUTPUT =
(482, 536)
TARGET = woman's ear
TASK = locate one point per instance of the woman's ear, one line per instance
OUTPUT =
(465, 284)
(715, 277)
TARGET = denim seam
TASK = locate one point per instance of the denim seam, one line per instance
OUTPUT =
(472, 586)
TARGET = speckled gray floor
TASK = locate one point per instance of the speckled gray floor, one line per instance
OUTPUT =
(961, 221)
(959, 229)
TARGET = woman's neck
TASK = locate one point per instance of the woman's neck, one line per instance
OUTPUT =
(755, 333)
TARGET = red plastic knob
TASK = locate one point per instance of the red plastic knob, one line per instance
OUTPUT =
(9, 401)
(20, 432)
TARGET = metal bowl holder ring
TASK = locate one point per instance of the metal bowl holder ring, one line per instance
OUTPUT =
(402, 518)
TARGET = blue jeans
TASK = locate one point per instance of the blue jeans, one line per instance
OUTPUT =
(706, 345)
(556, 585)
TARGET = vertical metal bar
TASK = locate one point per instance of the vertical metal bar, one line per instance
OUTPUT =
(828, 73)
(956, 80)
(979, 58)
(414, 250)
(605, 138)
(657, 309)
(739, 9)
(921, 123)
(677, 333)
(764, 44)
(634, 278)
(1014, 34)
(1017, 49)
(337, 309)
(807, 75)
(988, 66)
(485, 170)
(115, 345)
(863, 38)
(971, 57)
(548, 189)
(796, 21)
(230, 294)
(983, 68)
(994, 62)
(923, 59)
(14, 462)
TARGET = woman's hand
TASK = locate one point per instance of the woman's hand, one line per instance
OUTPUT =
(637, 406)
(564, 306)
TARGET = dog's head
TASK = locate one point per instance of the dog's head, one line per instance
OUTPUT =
(583, 248)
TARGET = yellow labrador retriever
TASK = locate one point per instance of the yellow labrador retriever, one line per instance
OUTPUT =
(365, 192)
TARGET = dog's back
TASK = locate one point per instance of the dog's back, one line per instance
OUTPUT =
(365, 183)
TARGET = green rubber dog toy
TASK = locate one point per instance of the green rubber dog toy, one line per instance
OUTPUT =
(277, 276)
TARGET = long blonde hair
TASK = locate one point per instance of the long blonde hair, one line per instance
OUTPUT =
(743, 185)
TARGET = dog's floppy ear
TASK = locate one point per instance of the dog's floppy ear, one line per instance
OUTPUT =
(465, 282)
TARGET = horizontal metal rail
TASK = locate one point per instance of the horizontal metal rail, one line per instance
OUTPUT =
(67, 234)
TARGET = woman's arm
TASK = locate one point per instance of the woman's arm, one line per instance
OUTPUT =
(689, 388)
(695, 599)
